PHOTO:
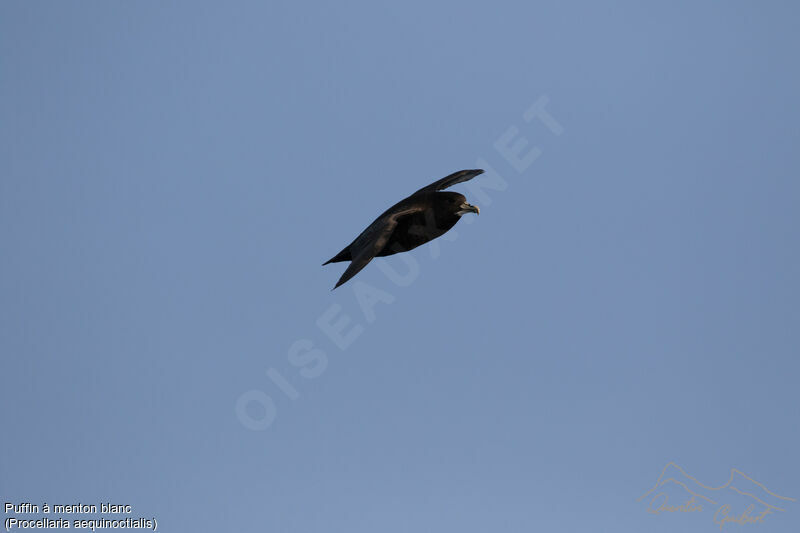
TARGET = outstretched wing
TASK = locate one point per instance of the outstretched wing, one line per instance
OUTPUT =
(372, 240)
(452, 179)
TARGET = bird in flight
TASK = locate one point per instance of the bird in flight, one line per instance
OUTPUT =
(423, 216)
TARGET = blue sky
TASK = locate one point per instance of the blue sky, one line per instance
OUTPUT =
(173, 175)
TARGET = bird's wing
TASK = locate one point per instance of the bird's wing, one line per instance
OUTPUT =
(452, 179)
(372, 240)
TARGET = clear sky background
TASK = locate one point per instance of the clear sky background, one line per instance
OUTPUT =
(172, 175)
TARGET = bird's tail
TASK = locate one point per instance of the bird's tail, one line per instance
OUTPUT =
(344, 255)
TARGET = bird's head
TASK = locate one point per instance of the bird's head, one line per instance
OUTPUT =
(457, 203)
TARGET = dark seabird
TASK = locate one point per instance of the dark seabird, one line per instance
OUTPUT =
(420, 218)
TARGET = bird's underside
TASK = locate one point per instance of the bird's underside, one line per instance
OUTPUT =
(423, 216)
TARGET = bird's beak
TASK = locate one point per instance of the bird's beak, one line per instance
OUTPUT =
(468, 208)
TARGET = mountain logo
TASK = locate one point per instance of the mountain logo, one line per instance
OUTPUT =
(741, 500)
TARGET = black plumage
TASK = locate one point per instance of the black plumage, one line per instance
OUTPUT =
(423, 216)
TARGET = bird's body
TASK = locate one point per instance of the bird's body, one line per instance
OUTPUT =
(422, 217)
(412, 230)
